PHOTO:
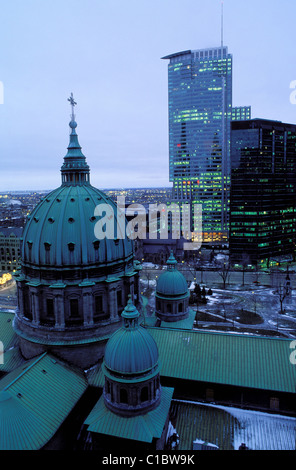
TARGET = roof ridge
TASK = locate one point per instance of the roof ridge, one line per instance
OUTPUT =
(25, 371)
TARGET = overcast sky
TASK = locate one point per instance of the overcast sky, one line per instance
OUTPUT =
(108, 53)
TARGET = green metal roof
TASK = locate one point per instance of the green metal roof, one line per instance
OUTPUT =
(185, 324)
(131, 351)
(139, 428)
(35, 399)
(60, 231)
(228, 427)
(95, 376)
(12, 359)
(7, 333)
(234, 359)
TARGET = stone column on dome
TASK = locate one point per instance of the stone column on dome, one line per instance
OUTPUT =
(88, 310)
(35, 305)
(20, 297)
(112, 303)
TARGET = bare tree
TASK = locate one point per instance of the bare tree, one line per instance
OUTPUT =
(281, 292)
(224, 272)
(281, 289)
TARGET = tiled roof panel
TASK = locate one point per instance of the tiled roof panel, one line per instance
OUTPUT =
(241, 360)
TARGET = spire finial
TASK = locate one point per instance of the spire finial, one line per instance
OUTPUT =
(130, 314)
(73, 103)
(171, 262)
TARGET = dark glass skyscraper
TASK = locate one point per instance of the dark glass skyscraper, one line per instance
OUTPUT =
(200, 113)
(263, 188)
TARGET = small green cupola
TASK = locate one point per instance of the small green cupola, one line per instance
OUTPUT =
(172, 294)
(131, 368)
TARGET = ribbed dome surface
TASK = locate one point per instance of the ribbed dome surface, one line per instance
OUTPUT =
(60, 230)
(131, 351)
(171, 283)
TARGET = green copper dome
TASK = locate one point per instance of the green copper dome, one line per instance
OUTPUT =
(77, 267)
(60, 231)
(131, 349)
(171, 282)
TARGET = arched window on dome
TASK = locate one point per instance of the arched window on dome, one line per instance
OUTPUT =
(27, 304)
(74, 316)
(74, 308)
(98, 308)
(144, 394)
(30, 244)
(180, 307)
(169, 308)
(50, 310)
(96, 245)
(123, 396)
(119, 301)
(47, 246)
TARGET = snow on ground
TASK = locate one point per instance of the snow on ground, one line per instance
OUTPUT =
(151, 282)
(149, 265)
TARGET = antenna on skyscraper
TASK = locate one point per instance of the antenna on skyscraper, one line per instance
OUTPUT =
(224, 164)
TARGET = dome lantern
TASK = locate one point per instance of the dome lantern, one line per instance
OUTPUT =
(75, 170)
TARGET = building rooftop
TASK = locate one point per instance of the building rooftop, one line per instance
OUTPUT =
(35, 399)
(226, 358)
(142, 428)
(229, 427)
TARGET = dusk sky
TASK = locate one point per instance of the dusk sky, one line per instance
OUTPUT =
(108, 53)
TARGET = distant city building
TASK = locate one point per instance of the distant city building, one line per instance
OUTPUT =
(200, 113)
(10, 245)
(263, 185)
(241, 113)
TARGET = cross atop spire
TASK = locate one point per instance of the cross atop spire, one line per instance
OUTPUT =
(73, 103)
